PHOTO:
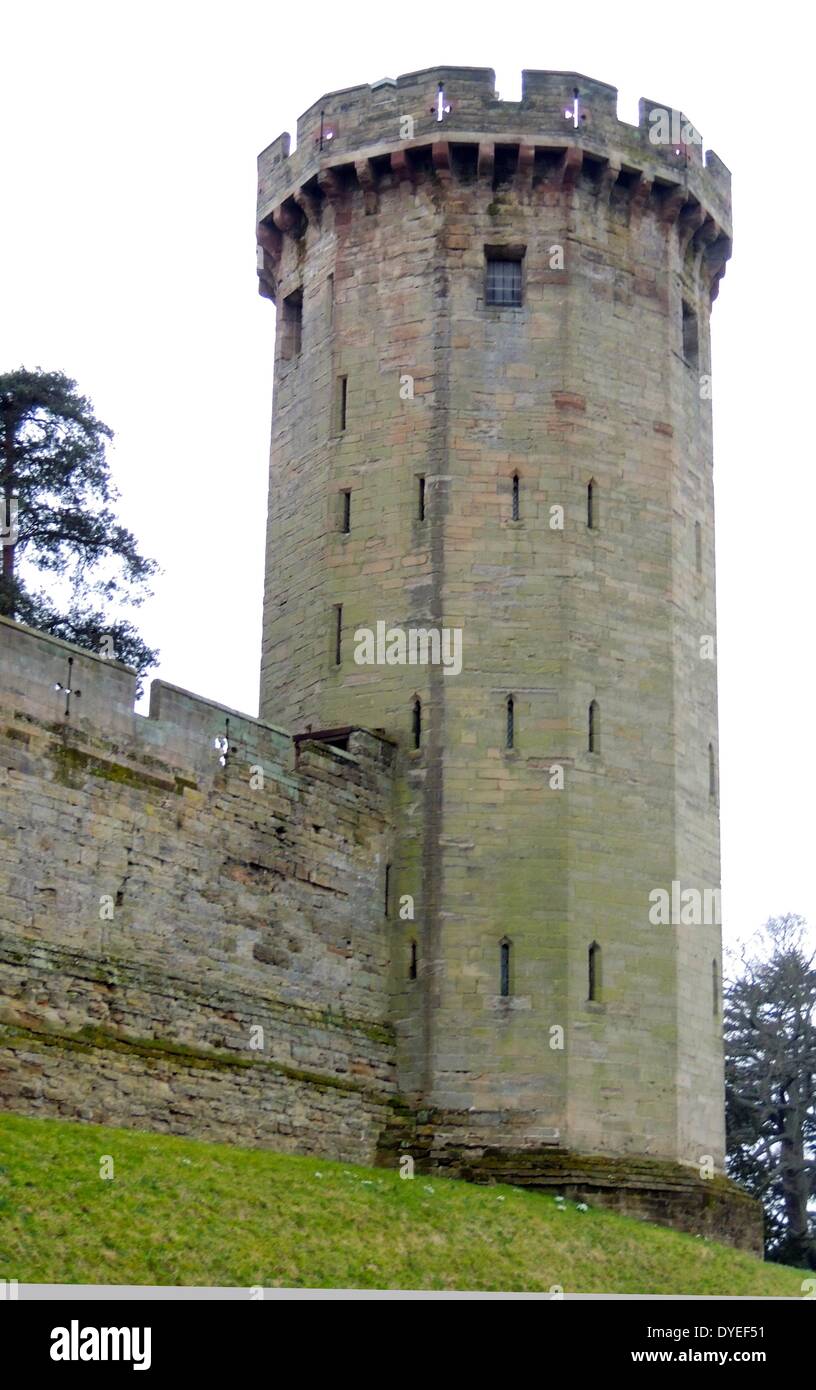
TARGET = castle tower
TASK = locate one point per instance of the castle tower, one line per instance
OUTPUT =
(492, 415)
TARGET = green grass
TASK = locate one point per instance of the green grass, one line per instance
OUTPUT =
(183, 1212)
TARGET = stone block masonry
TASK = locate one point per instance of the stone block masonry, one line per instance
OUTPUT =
(540, 274)
(586, 386)
(187, 946)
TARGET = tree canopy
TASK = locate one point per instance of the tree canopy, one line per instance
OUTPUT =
(58, 522)
(770, 1050)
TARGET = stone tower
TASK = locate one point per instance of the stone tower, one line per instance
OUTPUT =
(492, 415)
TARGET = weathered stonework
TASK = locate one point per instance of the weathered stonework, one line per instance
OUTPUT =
(373, 239)
(158, 908)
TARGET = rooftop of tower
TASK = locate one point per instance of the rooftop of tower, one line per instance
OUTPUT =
(439, 106)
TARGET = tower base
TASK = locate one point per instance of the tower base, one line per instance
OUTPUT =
(657, 1190)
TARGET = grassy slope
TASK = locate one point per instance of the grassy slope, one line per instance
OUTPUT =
(183, 1212)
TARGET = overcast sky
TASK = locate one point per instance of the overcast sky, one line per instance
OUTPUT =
(127, 254)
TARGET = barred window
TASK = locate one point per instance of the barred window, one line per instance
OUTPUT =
(503, 282)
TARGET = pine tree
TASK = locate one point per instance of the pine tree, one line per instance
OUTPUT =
(57, 520)
(770, 1054)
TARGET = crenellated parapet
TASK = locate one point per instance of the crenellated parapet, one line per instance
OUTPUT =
(444, 124)
(186, 741)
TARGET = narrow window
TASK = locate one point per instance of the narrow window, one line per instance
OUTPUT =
(338, 633)
(292, 324)
(516, 496)
(504, 968)
(592, 505)
(690, 336)
(416, 718)
(412, 968)
(594, 741)
(712, 772)
(420, 498)
(594, 972)
(330, 297)
(715, 988)
(503, 281)
(342, 402)
(510, 735)
(698, 547)
(345, 525)
(387, 894)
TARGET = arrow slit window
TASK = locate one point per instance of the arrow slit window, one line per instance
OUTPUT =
(292, 325)
(504, 968)
(691, 350)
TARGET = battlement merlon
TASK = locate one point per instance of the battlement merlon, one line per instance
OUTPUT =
(58, 686)
(353, 127)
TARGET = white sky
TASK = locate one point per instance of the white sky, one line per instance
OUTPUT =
(127, 259)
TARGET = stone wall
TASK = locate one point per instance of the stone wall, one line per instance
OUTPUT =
(157, 909)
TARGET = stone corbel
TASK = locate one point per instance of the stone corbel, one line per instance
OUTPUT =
(714, 259)
(400, 167)
(487, 160)
(607, 179)
(287, 217)
(704, 237)
(267, 284)
(524, 168)
(707, 234)
(267, 266)
(641, 194)
(271, 239)
(672, 204)
(569, 167)
(308, 206)
(440, 158)
(365, 178)
(691, 220)
(328, 183)
(269, 250)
